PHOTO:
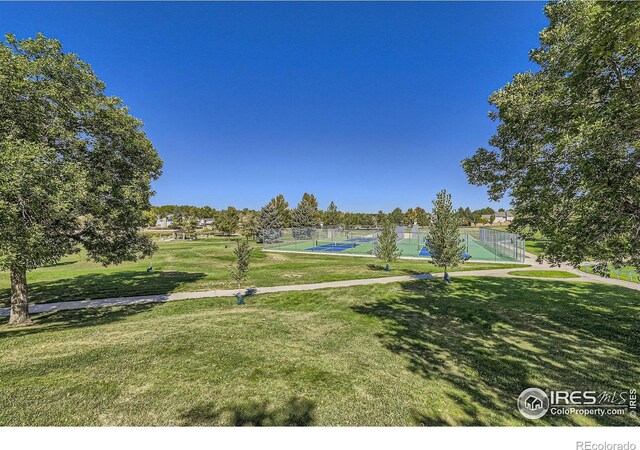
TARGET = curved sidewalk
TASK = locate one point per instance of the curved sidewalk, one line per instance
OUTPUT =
(161, 298)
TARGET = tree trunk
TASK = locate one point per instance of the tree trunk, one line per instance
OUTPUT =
(19, 299)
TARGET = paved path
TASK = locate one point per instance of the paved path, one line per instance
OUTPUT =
(160, 298)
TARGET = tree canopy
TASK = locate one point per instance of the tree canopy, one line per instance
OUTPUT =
(76, 166)
(332, 215)
(228, 221)
(443, 238)
(269, 228)
(305, 216)
(386, 248)
(282, 206)
(566, 148)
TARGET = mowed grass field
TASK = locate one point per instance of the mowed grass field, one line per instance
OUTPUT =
(181, 266)
(415, 353)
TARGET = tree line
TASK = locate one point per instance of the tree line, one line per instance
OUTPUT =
(277, 214)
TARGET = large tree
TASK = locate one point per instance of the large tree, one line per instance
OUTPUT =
(228, 221)
(76, 167)
(443, 238)
(248, 223)
(566, 149)
(396, 217)
(422, 217)
(282, 206)
(332, 215)
(304, 218)
(269, 228)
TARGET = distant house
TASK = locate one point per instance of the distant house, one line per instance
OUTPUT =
(206, 221)
(163, 222)
(505, 216)
(487, 217)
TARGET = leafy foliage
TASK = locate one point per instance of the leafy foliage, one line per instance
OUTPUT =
(396, 217)
(386, 248)
(76, 166)
(228, 221)
(443, 238)
(566, 149)
(249, 224)
(239, 269)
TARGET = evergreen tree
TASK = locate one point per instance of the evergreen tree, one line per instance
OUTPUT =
(304, 218)
(443, 238)
(332, 216)
(386, 247)
(282, 206)
(269, 227)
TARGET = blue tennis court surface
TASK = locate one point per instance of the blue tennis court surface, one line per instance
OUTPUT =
(331, 247)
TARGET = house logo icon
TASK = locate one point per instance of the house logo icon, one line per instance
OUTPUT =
(533, 403)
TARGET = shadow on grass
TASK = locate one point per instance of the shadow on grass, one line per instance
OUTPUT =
(75, 318)
(295, 412)
(104, 285)
(397, 271)
(491, 338)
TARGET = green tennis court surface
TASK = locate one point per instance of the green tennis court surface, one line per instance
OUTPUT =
(364, 244)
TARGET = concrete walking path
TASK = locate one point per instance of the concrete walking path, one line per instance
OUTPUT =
(161, 298)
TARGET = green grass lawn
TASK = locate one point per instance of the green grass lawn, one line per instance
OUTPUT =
(627, 273)
(181, 266)
(415, 353)
(544, 274)
(534, 247)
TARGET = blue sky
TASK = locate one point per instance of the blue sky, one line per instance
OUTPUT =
(371, 105)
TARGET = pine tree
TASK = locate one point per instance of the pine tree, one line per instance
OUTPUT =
(332, 216)
(386, 248)
(443, 239)
(283, 210)
(304, 218)
(269, 228)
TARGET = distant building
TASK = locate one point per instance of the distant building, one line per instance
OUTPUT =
(163, 222)
(505, 216)
(206, 221)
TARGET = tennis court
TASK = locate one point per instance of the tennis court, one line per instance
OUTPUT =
(486, 245)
